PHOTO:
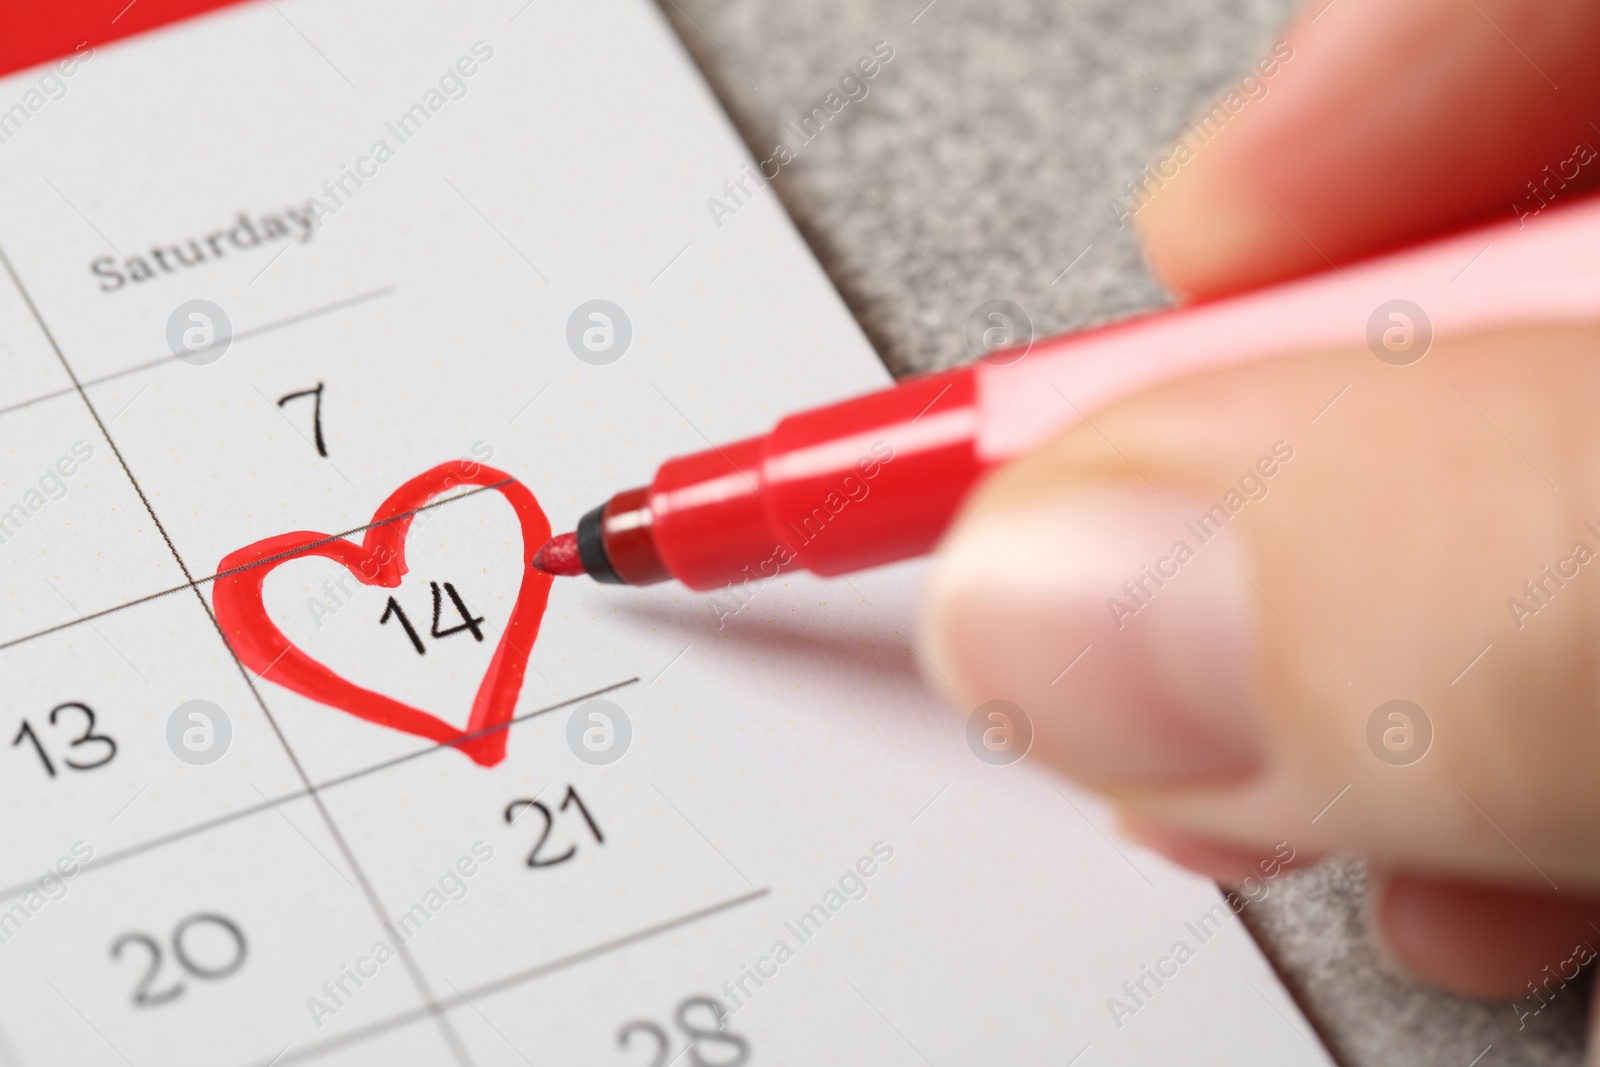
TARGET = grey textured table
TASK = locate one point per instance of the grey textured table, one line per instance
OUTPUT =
(979, 166)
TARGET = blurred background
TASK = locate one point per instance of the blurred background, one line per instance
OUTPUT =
(983, 164)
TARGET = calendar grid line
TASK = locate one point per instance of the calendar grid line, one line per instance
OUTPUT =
(205, 826)
(265, 560)
(151, 364)
(511, 981)
(8, 1052)
(408, 961)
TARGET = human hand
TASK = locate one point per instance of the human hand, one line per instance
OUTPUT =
(1231, 706)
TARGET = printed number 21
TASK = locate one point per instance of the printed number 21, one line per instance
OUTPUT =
(515, 809)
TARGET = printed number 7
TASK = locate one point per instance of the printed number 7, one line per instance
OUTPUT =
(316, 414)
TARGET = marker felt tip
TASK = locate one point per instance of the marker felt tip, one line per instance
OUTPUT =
(559, 556)
(878, 478)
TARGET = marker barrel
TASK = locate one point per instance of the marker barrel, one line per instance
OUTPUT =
(879, 478)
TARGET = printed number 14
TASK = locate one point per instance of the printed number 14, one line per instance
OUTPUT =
(469, 622)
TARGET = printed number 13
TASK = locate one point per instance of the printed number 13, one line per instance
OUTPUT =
(88, 737)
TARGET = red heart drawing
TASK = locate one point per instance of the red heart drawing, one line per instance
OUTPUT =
(380, 560)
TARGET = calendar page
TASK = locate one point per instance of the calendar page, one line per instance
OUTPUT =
(315, 319)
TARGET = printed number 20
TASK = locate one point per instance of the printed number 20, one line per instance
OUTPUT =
(143, 995)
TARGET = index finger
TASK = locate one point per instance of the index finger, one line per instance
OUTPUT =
(1383, 122)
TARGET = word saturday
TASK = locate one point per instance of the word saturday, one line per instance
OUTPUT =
(244, 233)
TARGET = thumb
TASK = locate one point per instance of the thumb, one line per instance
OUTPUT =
(1322, 600)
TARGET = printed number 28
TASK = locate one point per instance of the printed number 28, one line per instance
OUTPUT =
(699, 1036)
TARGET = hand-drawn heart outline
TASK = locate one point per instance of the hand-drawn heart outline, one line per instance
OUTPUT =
(380, 560)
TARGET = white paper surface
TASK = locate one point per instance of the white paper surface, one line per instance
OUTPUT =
(773, 759)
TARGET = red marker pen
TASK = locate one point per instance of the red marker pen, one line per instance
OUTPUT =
(878, 478)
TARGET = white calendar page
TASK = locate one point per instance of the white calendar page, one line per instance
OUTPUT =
(766, 844)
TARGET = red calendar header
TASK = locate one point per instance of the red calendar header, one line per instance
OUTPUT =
(36, 32)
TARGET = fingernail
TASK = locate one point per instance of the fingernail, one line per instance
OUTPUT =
(1592, 1031)
(1477, 939)
(1372, 914)
(1223, 862)
(1119, 620)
